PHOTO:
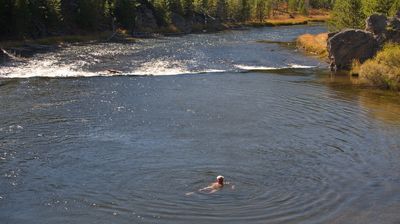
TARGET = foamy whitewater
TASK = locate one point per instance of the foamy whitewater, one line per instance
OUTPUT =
(233, 51)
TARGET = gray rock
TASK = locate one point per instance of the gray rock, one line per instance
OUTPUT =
(331, 34)
(394, 23)
(376, 24)
(145, 19)
(199, 18)
(349, 45)
(393, 36)
(180, 23)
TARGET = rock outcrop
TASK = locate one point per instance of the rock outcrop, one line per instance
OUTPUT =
(376, 24)
(145, 19)
(349, 45)
(346, 46)
(181, 23)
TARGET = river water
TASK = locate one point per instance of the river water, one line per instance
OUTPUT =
(299, 145)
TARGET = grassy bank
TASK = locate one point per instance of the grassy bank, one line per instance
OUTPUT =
(279, 19)
(383, 71)
(314, 44)
(286, 19)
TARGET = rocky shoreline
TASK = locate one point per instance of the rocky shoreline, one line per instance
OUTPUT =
(199, 24)
(351, 45)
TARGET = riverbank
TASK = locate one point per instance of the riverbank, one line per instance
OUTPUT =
(382, 71)
(314, 44)
(28, 47)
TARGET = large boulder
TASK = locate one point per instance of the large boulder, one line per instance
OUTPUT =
(145, 19)
(349, 45)
(180, 23)
(199, 18)
(376, 24)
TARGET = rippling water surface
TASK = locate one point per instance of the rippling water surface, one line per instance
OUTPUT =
(298, 147)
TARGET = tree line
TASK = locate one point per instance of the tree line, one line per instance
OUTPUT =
(353, 13)
(41, 18)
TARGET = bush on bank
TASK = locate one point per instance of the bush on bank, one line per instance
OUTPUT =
(383, 71)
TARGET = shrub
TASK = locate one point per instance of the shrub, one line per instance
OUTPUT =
(383, 70)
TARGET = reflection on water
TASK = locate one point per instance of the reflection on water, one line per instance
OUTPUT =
(382, 105)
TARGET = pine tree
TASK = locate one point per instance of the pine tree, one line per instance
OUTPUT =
(221, 10)
(384, 6)
(395, 8)
(347, 14)
(204, 6)
(7, 18)
(69, 9)
(292, 5)
(174, 6)
(23, 17)
(245, 10)
(260, 10)
(187, 6)
(378, 6)
(303, 7)
(125, 13)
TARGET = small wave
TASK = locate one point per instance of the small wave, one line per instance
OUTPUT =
(53, 69)
(56, 68)
(174, 72)
(252, 68)
(265, 68)
(301, 66)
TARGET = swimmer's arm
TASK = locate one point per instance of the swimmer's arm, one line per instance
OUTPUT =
(206, 188)
(213, 191)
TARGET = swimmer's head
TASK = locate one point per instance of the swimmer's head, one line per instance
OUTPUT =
(220, 179)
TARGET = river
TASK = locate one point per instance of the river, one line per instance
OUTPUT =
(79, 144)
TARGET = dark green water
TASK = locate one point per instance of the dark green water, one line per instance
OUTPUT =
(299, 145)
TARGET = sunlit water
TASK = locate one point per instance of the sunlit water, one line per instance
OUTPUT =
(298, 147)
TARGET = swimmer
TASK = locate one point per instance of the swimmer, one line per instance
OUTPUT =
(214, 187)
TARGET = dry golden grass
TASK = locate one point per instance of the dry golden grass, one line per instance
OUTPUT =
(286, 21)
(314, 44)
(314, 15)
(355, 68)
(383, 71)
